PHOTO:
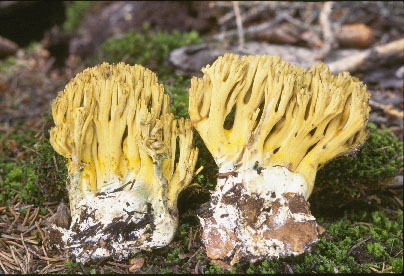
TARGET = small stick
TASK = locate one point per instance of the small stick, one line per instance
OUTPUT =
(33, 217)
(26, 250)
(398, 201)
(2, 267)
(222, 20)
(55, 163)
(370, 57)
(17, 260)
(45, 268)
(388, 109)
(40, 231)
(190, 238)
(328, 32)
(355, 246)
(16, 217)
(253, 29)
(5, 257)
(26, 216)
(240, 31)
(12, 266)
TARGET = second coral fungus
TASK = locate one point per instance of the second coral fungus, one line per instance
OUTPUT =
(288, 122)
(114, 125)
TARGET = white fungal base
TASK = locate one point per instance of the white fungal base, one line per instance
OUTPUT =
(116, 224)
(257, 214)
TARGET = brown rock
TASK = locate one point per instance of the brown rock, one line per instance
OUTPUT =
(355, 36)
(7, 47)
(282, 34)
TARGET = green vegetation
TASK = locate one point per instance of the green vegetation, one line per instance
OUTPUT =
(6, 64)
(30, 168)
(380, 157)
(348, 247)
(10, 64)
(75, 11)
(343, 179)
(149, 49)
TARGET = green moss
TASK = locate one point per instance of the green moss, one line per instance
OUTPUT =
(172, 257)
(380, 157)
(19, 179)
(6, 64)
(150, 49)
(213, 269)
(36, 177)
(71, 264)
(177, 88)
(75, 12)
(165, 270)
(381, 239)
(264, 267)
(343, 179)
(51, 170)
(183, 234)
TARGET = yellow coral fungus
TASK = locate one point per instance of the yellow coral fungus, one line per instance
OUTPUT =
(288, 122)
(114, 125)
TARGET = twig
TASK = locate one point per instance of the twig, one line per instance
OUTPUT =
(374, 269)
(300, 24)
(17, 260)
(45, 269)
(16, 217)
(225, 18)
(355, 246)
(28, 255)
(40, 231)
(2, 267)
(193, 255)
(11, 266)
(55, 163)
(253, 29)
(398, 201)
(250, 14)
(369, 58)
(328, 32)
(290, 270)
(388, 109)
(197, 267)
(26, 217)
(6, 257)
(33, 217)
(17, 238)
(190, 238)
(240, 31)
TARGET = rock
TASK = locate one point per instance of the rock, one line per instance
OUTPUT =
(355, 36)
(282, 34)
(7, 47)
(26, 21)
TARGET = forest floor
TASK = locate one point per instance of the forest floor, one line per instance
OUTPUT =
(362, 219)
